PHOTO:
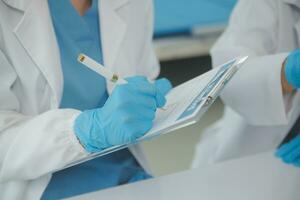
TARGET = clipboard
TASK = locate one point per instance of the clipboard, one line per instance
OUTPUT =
(186, 104)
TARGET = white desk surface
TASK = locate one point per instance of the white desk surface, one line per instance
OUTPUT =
(181, 47)
(198, 43)
(260, 177)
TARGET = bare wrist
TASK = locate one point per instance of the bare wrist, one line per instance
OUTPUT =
(286, 87)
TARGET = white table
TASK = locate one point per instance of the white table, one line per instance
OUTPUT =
(260, 177)
(181, 47)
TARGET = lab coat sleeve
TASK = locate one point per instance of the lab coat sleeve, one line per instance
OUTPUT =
(32, 146)
(255, 92)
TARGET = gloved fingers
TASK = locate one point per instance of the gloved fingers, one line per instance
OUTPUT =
(141, 175)
(290, 146)
(94, 149)
(296, 162)
(142, 127)
(142, 85)
(134, 114)
(144, 113)
(163, 85)
(140, 100)
(124, 97)
(284, 150)
(137, 129)
(292, 68)
(292, 156)
(160, 100)
(287, 148)
(147, 100)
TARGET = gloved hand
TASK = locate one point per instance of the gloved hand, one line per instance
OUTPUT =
(290, 152)
(292, 68)
(163, 85)
(127, 115)
(139, 176)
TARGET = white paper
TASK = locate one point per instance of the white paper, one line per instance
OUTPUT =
(178, 100)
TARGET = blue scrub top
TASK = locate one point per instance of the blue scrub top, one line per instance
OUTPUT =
(84, 89)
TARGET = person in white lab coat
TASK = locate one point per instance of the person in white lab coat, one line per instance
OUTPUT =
(37, 133)
(259, 110)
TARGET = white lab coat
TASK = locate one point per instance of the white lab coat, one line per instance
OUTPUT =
(35, 136)
(257, 115)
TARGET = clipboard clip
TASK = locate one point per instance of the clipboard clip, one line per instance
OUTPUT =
(209, 101)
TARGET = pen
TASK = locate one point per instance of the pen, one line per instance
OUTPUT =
(100, 69)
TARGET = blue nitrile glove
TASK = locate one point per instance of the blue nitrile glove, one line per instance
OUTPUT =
(163, 85)
(290, 152)
(139, 176)
(292, 68)
(127, 115)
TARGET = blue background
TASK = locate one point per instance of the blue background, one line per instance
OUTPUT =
(174, 17)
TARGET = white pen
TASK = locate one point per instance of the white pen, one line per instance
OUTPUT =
(100, 69)
(103, 71)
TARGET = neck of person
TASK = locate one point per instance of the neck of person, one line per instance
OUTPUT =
(81, 5)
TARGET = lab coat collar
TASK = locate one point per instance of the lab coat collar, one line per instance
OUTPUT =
(18, 4)
(113, 29)
(36, 34)
(116, 4)
(22, 4)
(293, 2)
